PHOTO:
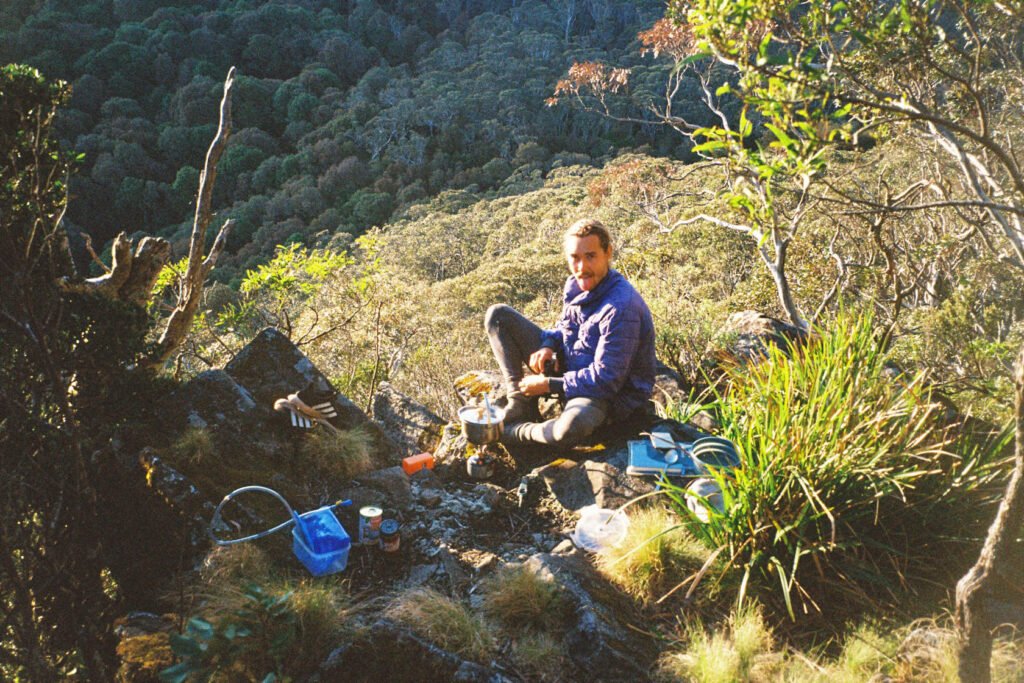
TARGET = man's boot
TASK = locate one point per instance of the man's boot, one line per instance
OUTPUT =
(517, 409)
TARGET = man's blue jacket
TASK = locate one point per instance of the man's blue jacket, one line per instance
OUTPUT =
(606, 339)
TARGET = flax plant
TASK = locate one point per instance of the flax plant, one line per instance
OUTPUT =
(849, 484)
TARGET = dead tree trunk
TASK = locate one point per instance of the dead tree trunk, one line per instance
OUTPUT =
(132, 273)
(199, 267)
(978, 585)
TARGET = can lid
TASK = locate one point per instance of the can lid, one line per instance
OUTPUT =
(389, 526)
(370, 511)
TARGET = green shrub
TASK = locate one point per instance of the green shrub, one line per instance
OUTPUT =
(848, 484)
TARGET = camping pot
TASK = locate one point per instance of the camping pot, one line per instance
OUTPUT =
(481, 425)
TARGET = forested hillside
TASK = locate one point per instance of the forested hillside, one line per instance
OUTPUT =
(345, 112)
(820, 202)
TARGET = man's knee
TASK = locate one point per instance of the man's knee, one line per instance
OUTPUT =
(495, 314)
(573, 426)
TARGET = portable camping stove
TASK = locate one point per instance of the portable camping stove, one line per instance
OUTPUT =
(482, 427)
(481, 464)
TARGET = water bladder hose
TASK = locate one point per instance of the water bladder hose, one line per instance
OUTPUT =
(294, 517)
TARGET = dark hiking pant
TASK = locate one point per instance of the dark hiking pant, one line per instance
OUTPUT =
(513, 338)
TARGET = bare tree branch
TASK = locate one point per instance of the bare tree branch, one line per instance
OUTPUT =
(180, 320)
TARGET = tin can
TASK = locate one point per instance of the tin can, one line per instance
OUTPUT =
(369, 524)
(389, 536)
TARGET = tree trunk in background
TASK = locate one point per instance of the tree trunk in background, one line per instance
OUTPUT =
(180, 322)
(978, 585)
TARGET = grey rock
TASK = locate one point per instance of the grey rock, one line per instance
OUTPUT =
(564, 547)
(597, 642)
(746, 336)
(451, 450)
(671, 390)
(409, 424)
(214, 401)
(180, 495)
(669, 386)
(361, 496)
(426, 479)
(421, 574)
(490, 494)
(484, 561)
(271, 367)
(392, 481)
(590, 483)
(430, 497)
(141, 623)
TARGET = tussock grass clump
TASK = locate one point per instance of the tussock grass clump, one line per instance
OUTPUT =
(244, 619)
(540, 656)
(740, 652)
(323, 613)
(518, 598)
(928, 652)
(193, 446)
(849, 486)
(922, 652)
(338, 455)
(444, 621)
(236, 564)
(657, 553)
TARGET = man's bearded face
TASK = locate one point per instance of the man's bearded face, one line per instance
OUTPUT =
(587, 261)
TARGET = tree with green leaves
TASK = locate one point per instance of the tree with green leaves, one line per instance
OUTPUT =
(73, 369)
(819, 72)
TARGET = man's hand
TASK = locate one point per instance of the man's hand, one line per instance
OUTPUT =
(534, 385)
(541, 356)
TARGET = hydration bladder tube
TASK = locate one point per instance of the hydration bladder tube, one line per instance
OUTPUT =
(294, 517)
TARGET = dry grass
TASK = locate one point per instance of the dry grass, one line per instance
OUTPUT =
(540, 656)
(519, 598)
(654, 557)
(929, 653)
(444, 621)
(236, 564)
(923, 652)
(338, 455)
(324, 614)
(740, 652)
(193, 447)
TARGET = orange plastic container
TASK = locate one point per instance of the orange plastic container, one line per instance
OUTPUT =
(415, 463)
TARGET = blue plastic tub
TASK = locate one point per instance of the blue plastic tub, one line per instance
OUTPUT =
(326, 551)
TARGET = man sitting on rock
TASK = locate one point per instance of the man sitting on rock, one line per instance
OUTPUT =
(599, 357)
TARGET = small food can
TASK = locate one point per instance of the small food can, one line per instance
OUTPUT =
(369, 524)
(389, 536)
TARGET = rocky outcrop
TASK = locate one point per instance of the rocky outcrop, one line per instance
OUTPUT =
(576, 486)
(413, 427)
(271, 367)
(212, 434)
(747, 335)
(598, 643)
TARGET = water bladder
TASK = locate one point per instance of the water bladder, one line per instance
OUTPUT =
(319, 540)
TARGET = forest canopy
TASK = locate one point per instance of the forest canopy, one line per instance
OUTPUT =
(345, 114)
